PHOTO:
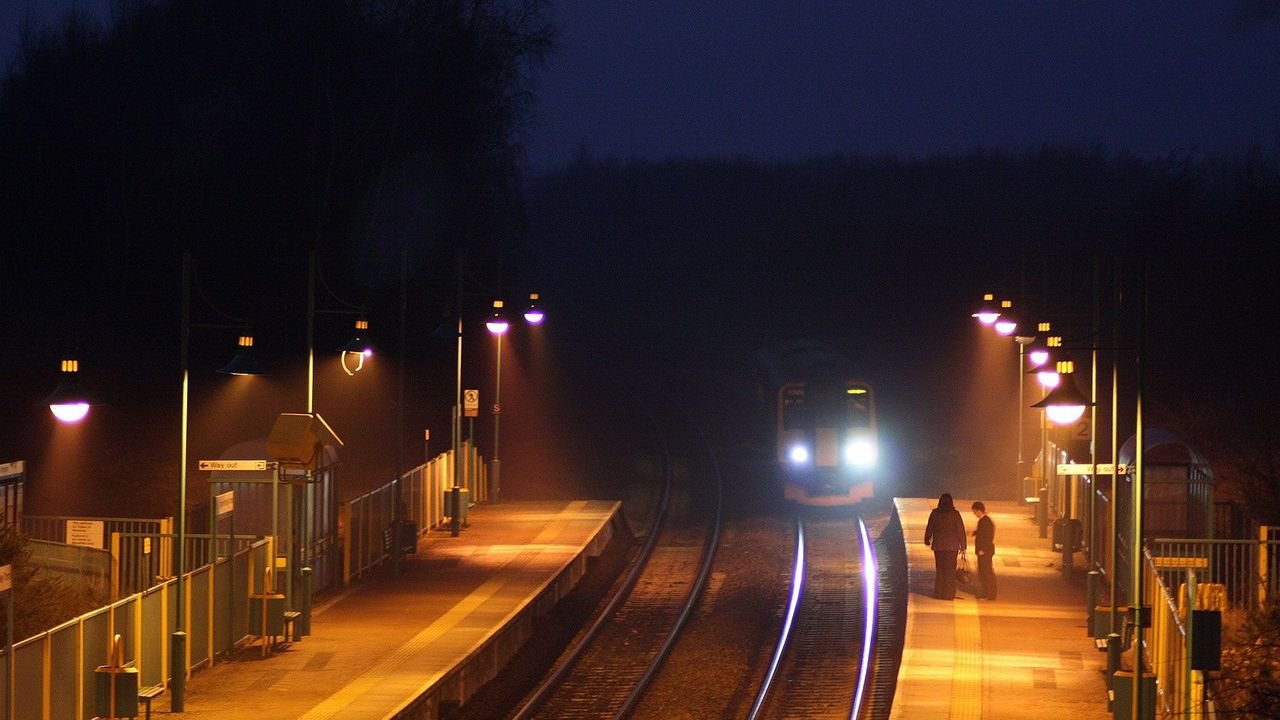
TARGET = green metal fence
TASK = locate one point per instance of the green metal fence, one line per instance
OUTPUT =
(55, 672)
(368, 518)
(75, 565)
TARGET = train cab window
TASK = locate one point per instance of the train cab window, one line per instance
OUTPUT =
(858, 406)
(794, 413)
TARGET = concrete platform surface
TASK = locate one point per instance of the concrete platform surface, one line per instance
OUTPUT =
(1025, 655)
(380, 644)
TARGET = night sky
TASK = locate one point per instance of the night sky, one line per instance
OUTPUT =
(791, 80)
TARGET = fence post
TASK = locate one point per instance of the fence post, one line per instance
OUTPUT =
(1263, 532)
(115, 566)
(344, 536)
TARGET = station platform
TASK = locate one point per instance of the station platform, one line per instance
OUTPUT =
(418, 642)
(1025, 655)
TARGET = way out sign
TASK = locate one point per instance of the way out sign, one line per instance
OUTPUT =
(1088, 469)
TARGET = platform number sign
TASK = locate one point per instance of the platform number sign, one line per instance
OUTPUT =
(1082, 429)
(470, 403)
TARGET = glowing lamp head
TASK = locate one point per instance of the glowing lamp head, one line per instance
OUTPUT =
(357, 350)
(1005, 323)
(533, 315)
(497, 323)
(70, 413)
(1064, 414)
(1038, 357)
(987, 313)
(1048, 378)
(1064, 404)
(68, 402)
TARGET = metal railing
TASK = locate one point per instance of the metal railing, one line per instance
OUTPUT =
(367, 519)
(1229, 576)
(55, 670)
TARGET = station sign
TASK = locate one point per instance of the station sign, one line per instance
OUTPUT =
(224, 503)
(12, 469)
(232, 465)
(86, 533)
(1089, 469)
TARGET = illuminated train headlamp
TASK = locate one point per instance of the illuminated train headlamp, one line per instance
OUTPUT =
(798, 455)
(860, 453)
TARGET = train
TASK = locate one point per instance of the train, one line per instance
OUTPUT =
(824, 425)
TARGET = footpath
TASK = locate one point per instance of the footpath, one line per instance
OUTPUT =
(1026, 655)
(420, 641)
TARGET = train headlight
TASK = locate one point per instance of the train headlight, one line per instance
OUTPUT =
(860, 453)
(798, 454)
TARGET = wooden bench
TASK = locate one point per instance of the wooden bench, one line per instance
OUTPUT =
(149, 693)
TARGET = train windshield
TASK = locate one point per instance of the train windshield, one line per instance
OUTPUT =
(822, 404)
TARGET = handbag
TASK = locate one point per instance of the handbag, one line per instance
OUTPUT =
(963, 575)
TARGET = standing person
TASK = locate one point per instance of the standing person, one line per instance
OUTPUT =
(945, 534)
(984, 544)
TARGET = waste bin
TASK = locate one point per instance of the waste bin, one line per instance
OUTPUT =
(463, 500)
(1122, 695)
(1067, 535)
(125, 680)
(409, 537)
(269, 606)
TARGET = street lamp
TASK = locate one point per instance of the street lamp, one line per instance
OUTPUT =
(242, 364)
(497, 326)
(356, 350)
(68, 402)
(533, 314)
(1064, 404)
(987, 312)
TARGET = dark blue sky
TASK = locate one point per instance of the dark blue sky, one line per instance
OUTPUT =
(665, 78)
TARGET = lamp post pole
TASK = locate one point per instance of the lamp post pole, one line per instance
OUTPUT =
(497, 415)
(455, 496)
(1139, 612)
(178, 644)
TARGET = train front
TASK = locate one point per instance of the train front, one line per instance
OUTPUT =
(827, 444)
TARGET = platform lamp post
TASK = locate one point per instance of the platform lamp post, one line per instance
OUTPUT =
(1063, 405)
(242, 363)
(1044, 357)
(1023, 333)
(498, 325)
(354, 354)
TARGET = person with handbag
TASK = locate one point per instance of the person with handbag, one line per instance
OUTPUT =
(984, 544)
(945, 533)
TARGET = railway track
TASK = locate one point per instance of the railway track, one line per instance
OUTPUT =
(605, 674)
(836, 656)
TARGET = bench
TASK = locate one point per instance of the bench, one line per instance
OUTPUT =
(290, 625)
(149, 693)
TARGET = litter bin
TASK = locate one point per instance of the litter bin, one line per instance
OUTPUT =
(266, 614)
(409, 537)
(463, 503)
(1067, 535)
(125, 682)
(1122, 695)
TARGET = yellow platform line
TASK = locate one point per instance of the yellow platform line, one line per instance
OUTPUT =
(375, 675)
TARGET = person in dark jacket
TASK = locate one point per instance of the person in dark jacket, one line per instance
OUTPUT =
(946, 535)
(984, 544)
